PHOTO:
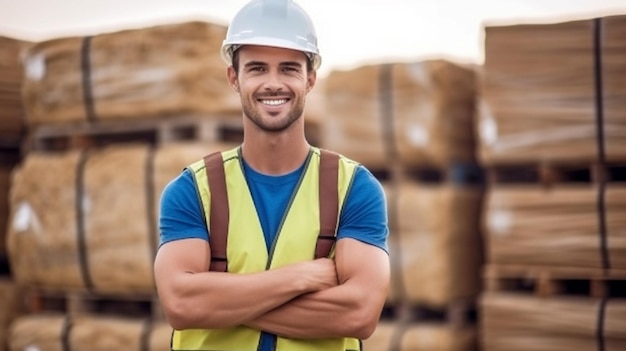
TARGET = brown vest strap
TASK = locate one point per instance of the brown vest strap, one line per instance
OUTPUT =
(329, 202)
(219, 217)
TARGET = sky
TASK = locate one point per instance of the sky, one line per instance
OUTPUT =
(350, 32)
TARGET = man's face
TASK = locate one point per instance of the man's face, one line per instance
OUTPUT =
(272, 84)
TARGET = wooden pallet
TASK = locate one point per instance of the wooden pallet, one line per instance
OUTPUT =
(459, 313)
(81, 303)
(554, 173)
(9, 157)
(151, 131)
(154, 131)
(5, 266)
(556, 281)
(11, 141)
(454, 173)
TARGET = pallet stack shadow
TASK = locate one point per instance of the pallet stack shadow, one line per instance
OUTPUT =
(112, 118)
(12, 129)
(553, 140)
(411, 125)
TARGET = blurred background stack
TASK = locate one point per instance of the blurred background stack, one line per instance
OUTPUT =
(505, 183)
(553, 142)
(111, 120)
(12, 129)
(411, 125)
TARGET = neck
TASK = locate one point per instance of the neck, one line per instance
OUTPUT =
(274, 153)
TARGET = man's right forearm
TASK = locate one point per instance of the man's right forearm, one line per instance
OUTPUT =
(220, 300)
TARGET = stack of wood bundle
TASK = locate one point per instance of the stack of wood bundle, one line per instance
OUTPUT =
(542, 103)
(529, 225)
(542, 89)
(438, 241)
(420, 112)
(51, 332)
(420, 337)
(552, 103)
(90, 223)
(516, 323)
(12, 123)
(161, 71)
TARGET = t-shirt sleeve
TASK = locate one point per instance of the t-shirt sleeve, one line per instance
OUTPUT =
(180, 215)
(364, 214)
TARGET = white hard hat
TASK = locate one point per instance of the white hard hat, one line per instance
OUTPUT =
(277, 23)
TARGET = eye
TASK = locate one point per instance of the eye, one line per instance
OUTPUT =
(257, 69)
(290, 69)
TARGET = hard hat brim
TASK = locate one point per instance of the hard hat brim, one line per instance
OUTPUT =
(226, 51)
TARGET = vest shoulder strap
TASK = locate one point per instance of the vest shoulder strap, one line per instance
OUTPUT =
(219, 217)
(328, 202)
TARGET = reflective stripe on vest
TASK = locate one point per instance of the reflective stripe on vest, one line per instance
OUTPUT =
(246, 247)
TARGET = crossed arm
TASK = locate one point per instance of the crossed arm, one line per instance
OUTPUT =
(312, 299)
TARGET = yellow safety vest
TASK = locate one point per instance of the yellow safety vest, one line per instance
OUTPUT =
(246, 253)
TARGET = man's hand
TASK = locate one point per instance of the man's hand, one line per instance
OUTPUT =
(348, 309)
(319, 274)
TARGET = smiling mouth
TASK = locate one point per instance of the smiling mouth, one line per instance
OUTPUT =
(273, 102)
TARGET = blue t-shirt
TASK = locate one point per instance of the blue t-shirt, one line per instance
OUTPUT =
(363, 216)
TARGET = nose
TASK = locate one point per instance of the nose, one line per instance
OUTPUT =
(272, 82)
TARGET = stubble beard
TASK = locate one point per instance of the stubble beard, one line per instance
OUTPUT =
(255, 115)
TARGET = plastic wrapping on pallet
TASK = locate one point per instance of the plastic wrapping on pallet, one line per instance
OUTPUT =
(548, 96)
(422, 112)
(556, 227)
(160, 71)
(516, 322)
(51, 332)
(398, 336)
(90, 223)
(435, 242)
(11, 76)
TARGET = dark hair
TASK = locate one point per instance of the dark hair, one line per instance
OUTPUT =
(309, 62)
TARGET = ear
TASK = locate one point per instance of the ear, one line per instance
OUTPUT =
(231, 74)
(310, 80)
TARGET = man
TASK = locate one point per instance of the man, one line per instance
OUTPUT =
(268, 292)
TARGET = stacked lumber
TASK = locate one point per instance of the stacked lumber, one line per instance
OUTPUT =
(161, 71)
(12, 123)
(553, 137)
(411, 125)
(514, 323)
(438, 243)
(397, 336)
(540, 98)
(529, 225)
(419, 113)
(542, 104)
(100, 235)
(53, 332)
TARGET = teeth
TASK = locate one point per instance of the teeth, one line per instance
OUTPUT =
(274, 102)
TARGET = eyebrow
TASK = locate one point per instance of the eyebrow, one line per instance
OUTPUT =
(255, 63)
(291, 63)
(286, 63)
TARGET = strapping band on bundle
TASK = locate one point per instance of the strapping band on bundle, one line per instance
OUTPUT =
(85, 65)
(600, 140)
(66, 328)
(81, 235)
(600, 324)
